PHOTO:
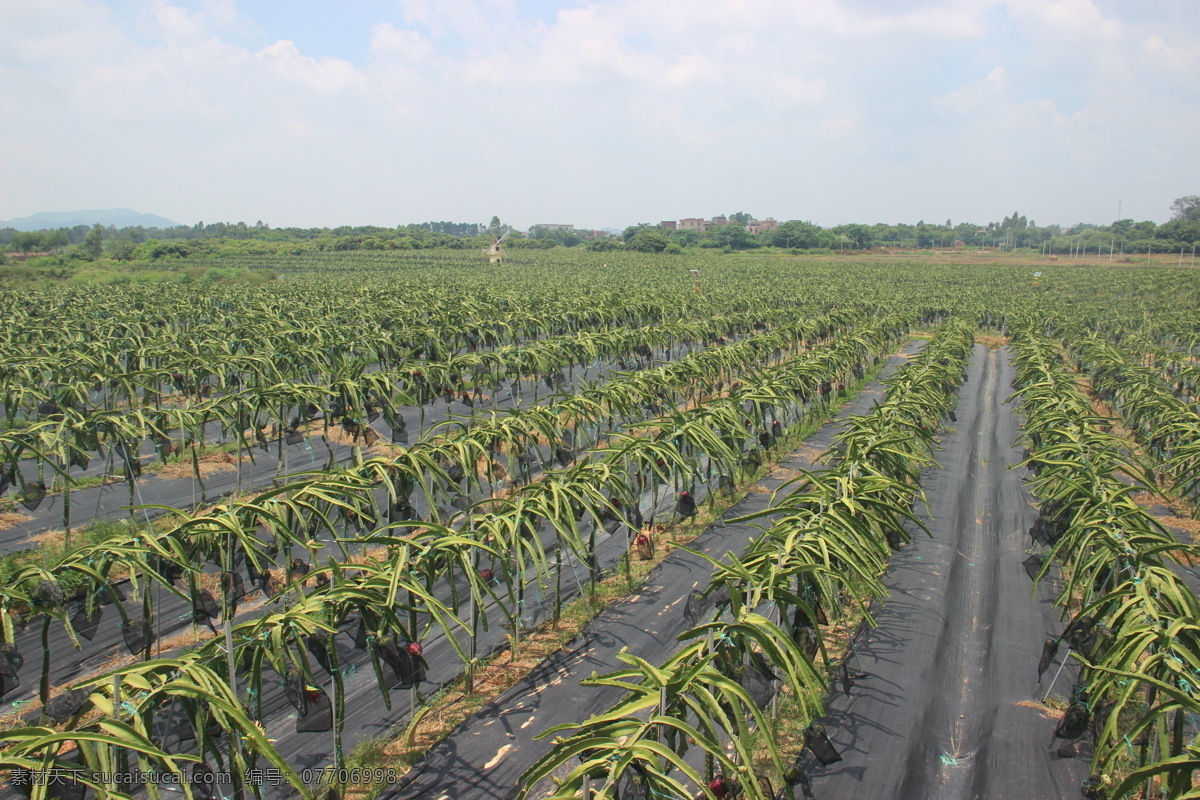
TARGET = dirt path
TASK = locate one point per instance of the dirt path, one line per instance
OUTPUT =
(944, 709)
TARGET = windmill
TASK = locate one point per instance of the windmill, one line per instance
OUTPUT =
(495, 253)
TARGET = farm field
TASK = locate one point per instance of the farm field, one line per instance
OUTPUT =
(382, 474)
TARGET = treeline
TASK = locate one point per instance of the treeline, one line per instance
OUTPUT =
(222, 239)
(219, 239)
(1012, 233)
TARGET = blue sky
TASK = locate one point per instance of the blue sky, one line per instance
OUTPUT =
(600, 114)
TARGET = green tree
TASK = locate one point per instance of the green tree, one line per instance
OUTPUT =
(1123, 227)
(797, 233)
(685, 238)
(741, 218)
(123, 249)
(93, 243)
(1182, 231)
(27, 241)
(969, 232)
(1186, 209)
(641, 227)
(857, 234)
(496, 228)
(649, 241)
(734, 236)
(1144, 229)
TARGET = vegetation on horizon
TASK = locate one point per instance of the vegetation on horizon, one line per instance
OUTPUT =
(70, 249)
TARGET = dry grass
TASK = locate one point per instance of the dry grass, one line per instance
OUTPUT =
(209, 465)
(810, 454)
(53, 538)
(1192, 526)
(1046, 711)
(336, 434)
(782, 473)
(1148, 498)
(991, 341)
(9, 519)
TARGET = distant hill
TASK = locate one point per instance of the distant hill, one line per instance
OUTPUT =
(119, 217)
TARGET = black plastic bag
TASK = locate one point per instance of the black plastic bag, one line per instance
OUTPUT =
(8, 683)
(406, 661)
(1049, 651)
(11, 659)
(66, 705)
(402, 511)
(694, 607)
(138, 635)
(759, 683)
(167, 568)
(205, 606)
(47, 593)
(293, 690)
(110, 592)
(817, 742)
(319, 650)
(233, 588)
(1074, 723)
(1093, 788)
(631, 787)
(34, 496)
(84, 623)
(685, 505)
(1078, 634)
(317, 716)
(360, 631)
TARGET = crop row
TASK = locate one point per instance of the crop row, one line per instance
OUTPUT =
(383, 593)
(1135, 624)
(827, 547)
(1165, 423)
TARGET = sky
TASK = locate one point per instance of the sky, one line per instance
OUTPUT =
(600, 114)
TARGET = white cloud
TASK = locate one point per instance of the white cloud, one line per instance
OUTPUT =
(400, 45)
(996, 79)
(691, 101)
(324, 75)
